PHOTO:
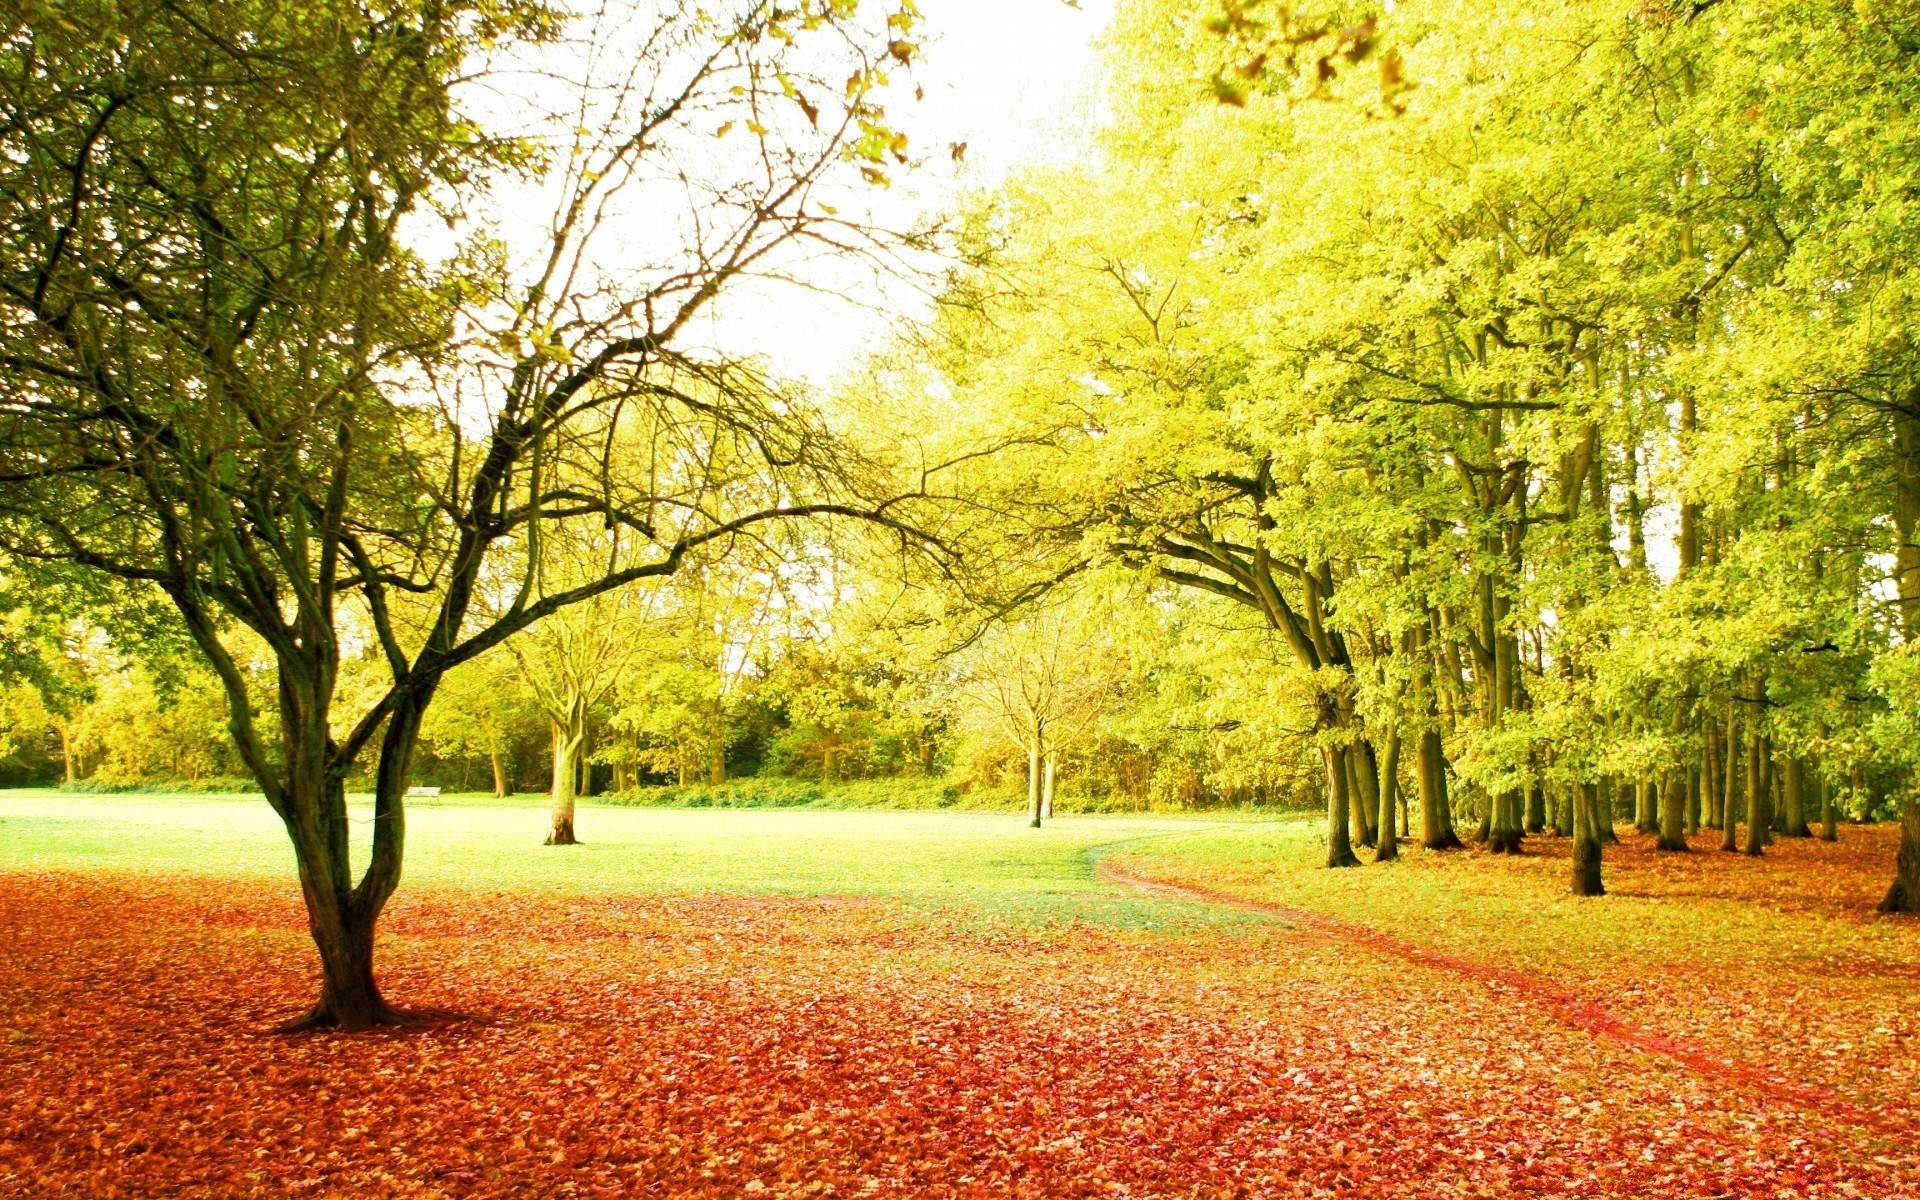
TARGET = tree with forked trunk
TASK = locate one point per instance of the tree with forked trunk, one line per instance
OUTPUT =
(234, 380)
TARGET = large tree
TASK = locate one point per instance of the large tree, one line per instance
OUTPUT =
(229, 377)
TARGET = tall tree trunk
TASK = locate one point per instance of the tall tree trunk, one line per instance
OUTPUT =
(1339, 846)
(566, 777)
(1436, 814)
(1366, 775)
(1695, 790)
(1586, 841)
(1389, 838)
(1769, 792)
(1904, 895)
(1673, 812)
(69, 769)
(1046, 785)
(1793, 795)
(1504, 832)
(1603, 810)
(1033, 782)
(1646, 806)
(717, 744)
(1730, 797)
(1756, 796)
(1829, 819)
(499, 762)
(1563, 815)
(1710, 759)
(1356, 805)
(1536, 807)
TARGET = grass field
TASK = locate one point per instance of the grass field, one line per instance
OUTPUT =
(812, 1003)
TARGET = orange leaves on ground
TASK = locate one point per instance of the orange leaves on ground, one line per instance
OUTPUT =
(816, 1047)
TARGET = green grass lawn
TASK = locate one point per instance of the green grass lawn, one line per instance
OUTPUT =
(990, 860)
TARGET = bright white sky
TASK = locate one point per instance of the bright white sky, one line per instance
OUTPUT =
(998, 75)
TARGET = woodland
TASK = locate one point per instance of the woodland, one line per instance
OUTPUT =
(1492, 429)
(1368, 594)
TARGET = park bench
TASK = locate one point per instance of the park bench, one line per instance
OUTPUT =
(423, 793)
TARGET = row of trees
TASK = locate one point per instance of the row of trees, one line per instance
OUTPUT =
(1542, 380)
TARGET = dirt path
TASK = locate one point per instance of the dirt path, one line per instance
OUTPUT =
(1566, 1006)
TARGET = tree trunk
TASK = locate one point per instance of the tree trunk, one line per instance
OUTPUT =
(341, 917)
(1388, 845)
(1339, 846)
(1536, 808)
(1673, 813)
(1646, 809)
(566, 775)
(1769, 792)
(349, 996)
(69, 770)
(1695, 790)
(1710, 780)
(1756, 796)
(1829, 819)
(1033, 782)
(1793, 795)
(1904, 895)
(717, 744)
(1563, 814)
(1356, 805)
(1586, 842)
(1436, 814)
(1366, 775)
(1730, 795)
(1504, 832)
(1603, 811)
(1046, 786)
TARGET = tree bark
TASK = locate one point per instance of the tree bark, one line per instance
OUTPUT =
(1436, 814)
(1356, 804)
(1603, 810)
(717, 744)
(1793, 796)
(1586, 842)
(1904, 895)
(1673, 813)
(1646, 806)
(566, 774)
(1829, 819)
(1033, 782)
(1756, 796)
(1730, 795)
(1046, 785)
(1388, 844)
(1504, 832)
(1536, 808)
(499, 764)
(1339, 846)
(1366, 775)
(69, 770)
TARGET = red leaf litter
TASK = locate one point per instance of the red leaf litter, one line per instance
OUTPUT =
(726, 1047)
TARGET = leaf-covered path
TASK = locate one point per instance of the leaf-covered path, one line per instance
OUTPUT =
(750, 1046)
(1581, 1012)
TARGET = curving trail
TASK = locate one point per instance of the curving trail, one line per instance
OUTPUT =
(1566, 1006)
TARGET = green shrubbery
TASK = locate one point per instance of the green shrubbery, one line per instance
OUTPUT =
(778, 792)
(212, 785)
